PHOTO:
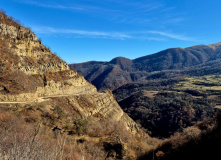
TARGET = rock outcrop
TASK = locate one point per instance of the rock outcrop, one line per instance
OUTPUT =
(37, 60)
(31, 72)
(102, 104)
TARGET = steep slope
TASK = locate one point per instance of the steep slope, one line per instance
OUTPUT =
(41, 73)
(30, 75)
(195, 57)
(30, 59)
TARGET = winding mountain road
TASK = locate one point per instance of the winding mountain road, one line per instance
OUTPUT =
(46, 98)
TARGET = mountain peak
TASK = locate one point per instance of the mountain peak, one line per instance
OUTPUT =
(122, 62)
(117, 59)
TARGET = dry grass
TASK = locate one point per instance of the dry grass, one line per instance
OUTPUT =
(96, 134)
(150, 94)
(201, 83)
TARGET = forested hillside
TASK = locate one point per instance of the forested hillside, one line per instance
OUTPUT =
(192, 61)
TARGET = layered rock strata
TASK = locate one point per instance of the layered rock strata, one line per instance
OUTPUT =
(32, 62)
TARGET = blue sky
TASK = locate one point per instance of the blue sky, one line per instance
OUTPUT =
(85, 30)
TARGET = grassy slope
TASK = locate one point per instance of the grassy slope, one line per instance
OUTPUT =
(212, 82)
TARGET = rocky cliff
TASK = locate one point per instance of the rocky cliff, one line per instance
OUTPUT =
(31, 73)
(36, 60)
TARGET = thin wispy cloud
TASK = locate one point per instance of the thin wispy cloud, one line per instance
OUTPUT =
(54, 6)
(145, 13)
(127, 24)
(167, 9)
(150, 7)
(141, 35)
(129, 11)
(138, 13)
(173, 36)
(83, 33)
(73, 7)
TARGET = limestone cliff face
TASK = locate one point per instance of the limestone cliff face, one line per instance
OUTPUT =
(37, 60)
(99, 106)
(48, 76)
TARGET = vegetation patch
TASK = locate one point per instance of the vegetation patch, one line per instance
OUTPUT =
(205, 83)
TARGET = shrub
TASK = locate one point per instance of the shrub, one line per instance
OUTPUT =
(81, 126)
(59, 111)
(2, 11)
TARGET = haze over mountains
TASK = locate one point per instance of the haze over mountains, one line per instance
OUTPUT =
(119, 71)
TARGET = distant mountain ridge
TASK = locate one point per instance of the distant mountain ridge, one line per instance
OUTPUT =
(120, 70)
